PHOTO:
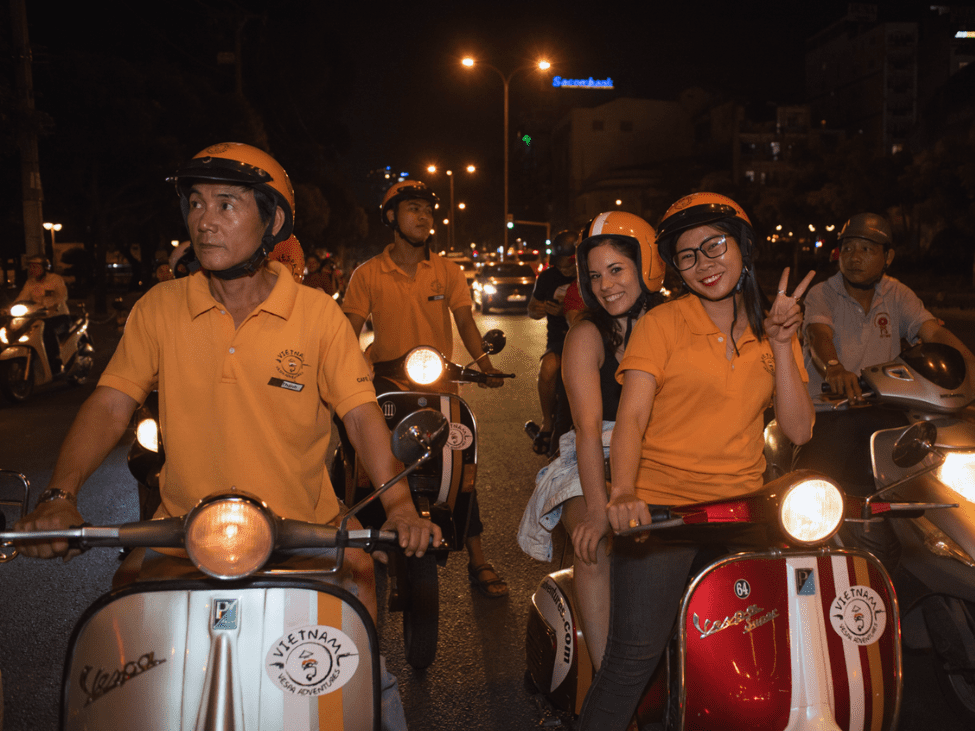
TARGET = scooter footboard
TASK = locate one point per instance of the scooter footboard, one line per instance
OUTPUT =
(293, 654)
(794, 640)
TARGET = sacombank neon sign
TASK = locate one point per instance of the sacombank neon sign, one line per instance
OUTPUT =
(589, 83)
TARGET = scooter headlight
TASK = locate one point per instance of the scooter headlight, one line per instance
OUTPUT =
(424, 366)
(229, 536)
(19, 310)
(3, 336)
(147, 434)
(811, 510)
(958, 473)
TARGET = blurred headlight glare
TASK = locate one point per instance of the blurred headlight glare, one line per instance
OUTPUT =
(3, 336)
(424, 366)
(958, 473)
(811, 511)
(490, 289)
(147, 434)
(229, 538)
(18, 310)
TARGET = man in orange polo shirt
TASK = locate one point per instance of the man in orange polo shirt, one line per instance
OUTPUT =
(246, 362)
(412, 293)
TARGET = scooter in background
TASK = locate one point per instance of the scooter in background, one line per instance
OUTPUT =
(24, 360)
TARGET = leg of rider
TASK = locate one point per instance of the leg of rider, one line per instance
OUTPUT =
(591, 585)
(475, 551)
(646, 586)
(548, 371)
(52, 346)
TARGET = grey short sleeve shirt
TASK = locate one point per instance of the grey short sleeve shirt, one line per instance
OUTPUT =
(861, 338)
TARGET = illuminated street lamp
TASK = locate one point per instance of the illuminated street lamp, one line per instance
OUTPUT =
(52, 227)
(505, 80)
(450, 215)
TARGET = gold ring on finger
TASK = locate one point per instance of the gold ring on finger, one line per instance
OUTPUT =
(634, 522)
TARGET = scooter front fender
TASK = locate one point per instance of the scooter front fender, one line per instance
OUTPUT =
(790, 641)
(259, 654)
(13, 352)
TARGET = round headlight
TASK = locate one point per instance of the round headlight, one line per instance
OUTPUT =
(958, 473)
(230, 537)
(147, 434)
(19, 310)
(424, 366)
(811, 511)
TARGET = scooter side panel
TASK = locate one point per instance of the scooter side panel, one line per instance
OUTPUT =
(300, 656)
(793, 641)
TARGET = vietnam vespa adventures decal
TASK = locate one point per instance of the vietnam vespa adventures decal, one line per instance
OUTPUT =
(291, 365)
(858, 615)
(460, 437)
(312, 660)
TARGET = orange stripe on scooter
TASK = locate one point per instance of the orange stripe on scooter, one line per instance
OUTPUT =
(330, 704)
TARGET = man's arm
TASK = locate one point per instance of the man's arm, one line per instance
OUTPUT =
(822, 348)
(370, 437)
(357, 321)
(97, 428)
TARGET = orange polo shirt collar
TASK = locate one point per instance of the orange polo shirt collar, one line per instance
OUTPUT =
(281, 301)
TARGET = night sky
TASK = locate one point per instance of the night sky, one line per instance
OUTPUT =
(376, 84)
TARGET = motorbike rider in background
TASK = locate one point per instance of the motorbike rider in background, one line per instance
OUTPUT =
(856, 319)
(48, 290)
(620, 273)
(247, 363)
(547, 301)
(412, 293)
(697, 375)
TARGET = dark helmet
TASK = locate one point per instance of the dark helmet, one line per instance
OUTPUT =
(631, 230)
(240, 164)
(700, 209)
(564, 243)
(868, 226)
(406, 190)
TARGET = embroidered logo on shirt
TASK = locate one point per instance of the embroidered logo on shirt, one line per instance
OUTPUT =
(437, 287)
(882, 322)
(290, 364)
(768, 360)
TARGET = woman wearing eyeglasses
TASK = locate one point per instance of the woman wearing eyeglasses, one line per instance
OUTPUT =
(697, 375)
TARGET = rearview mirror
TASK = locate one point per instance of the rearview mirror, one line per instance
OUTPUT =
(493, 341)
(914, 444)
(422, 430)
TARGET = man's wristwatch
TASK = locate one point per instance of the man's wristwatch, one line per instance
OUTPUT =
(53, 493)
(831, 363)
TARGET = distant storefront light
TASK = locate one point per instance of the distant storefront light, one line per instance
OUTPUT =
(589, 83)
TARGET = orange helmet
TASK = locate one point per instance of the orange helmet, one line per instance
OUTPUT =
(630, 229)
(700, 209)
(291, 255)
(240, 164)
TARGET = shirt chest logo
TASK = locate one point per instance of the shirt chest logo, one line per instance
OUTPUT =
(291, 365)
(881, 321)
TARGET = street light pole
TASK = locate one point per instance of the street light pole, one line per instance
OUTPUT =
(505, 81)
(451, 217)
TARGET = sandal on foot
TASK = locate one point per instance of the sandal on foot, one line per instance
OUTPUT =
(484, 585)
(542, 442)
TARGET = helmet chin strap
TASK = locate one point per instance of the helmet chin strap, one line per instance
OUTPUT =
(865, 285)
(403, 236)
(253, 263)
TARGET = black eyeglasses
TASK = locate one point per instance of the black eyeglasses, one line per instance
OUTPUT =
(712, 248)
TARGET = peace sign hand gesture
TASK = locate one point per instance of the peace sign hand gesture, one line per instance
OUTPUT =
(785, 316)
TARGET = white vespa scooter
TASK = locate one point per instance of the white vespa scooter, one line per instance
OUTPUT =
(237, 643)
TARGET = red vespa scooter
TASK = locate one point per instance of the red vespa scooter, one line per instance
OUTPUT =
(790, 635)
